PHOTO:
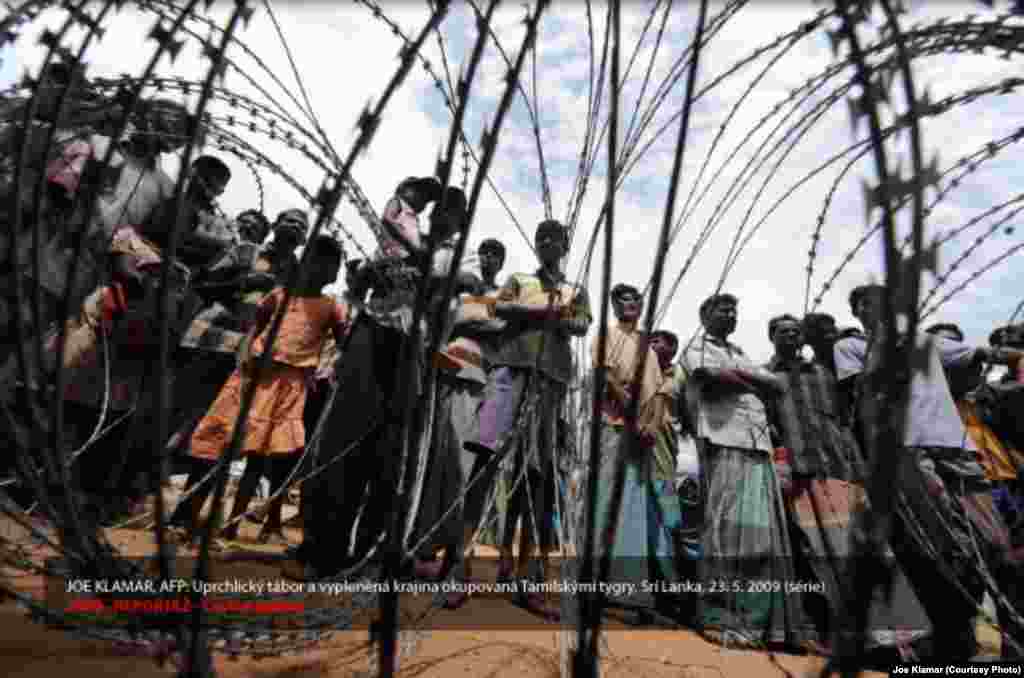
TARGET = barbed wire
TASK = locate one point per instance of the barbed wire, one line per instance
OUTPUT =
(240, 125)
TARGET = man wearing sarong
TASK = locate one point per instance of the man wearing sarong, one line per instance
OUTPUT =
(975, 400)
(822, 473)
(525, 395)
(947, 533)
(676, 474)
(487, 333)
(460, 393)
(641, 533)
(746, 556)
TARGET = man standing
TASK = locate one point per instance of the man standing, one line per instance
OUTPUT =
(676, 475)
(821, 334)
(642, 542)
(744, 538)
(665, 345)
(474, 344)
(947, 532)
(368, 411)
(526, 391)
(487, 333)
(822, 473)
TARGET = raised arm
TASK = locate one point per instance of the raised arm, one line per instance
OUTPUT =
(402, 227)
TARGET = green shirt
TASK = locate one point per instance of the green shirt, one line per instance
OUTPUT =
(550, 351)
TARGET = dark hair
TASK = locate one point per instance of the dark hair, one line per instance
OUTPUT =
(453, 198)
(292, 210)
(814, 320)
(449, 214)
(211, 167)
(671, 336)
(774, 323)
(946, 327)
(1007, 335)
(552, 225)
(324, 246)
(427, 190)
(623, 289)
(714, 300)
(255, 213)
(861, 291)
(847, 332)
(812, 325)
(492, 245)
(63, 72)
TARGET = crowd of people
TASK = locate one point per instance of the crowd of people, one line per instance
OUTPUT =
(750, 479)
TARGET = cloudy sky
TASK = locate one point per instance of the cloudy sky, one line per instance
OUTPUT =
(749, 186)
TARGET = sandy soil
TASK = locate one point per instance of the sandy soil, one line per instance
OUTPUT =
(31, 650)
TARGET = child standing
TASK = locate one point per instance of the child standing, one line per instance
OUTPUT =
(274, 427)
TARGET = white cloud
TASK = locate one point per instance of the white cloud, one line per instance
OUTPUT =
(346, 57)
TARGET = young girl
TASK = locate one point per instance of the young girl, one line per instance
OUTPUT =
(274, 427)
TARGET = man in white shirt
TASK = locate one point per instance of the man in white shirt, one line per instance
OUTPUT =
(945, 505)
(744, 537)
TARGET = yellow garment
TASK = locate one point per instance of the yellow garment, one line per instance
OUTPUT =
(274, 425)
(531, 291)
(622, 354)
(304, 328)
(999, 461)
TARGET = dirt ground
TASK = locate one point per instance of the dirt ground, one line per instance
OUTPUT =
(31, 650)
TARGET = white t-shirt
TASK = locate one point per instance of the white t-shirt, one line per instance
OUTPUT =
(932, 416)
(726, 419)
